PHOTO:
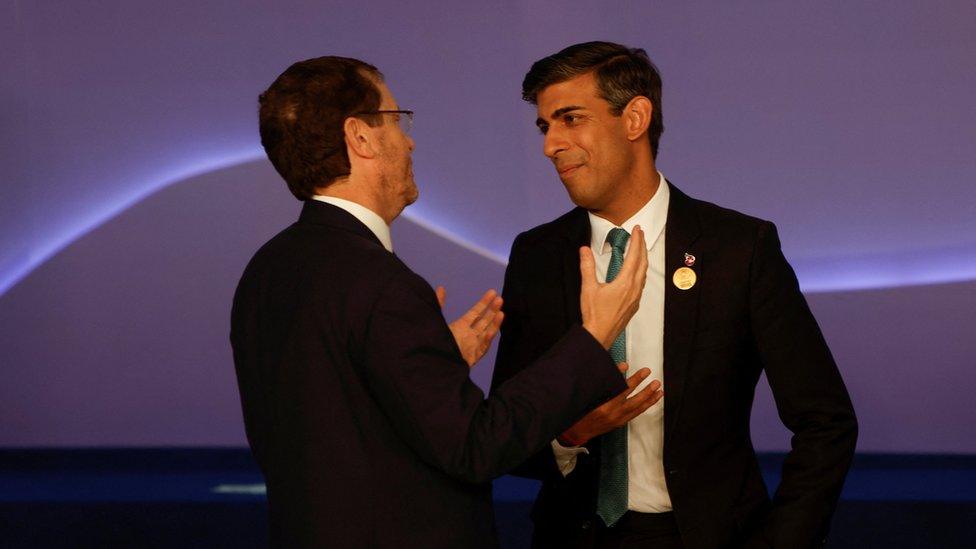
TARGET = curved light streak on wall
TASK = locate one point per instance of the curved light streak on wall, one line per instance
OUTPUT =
(906, 268)
(830, 274)
(106, 211)
(450, 237)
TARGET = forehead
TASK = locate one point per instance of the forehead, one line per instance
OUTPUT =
(581, 91)
(387, 102)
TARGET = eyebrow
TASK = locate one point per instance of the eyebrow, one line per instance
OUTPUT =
(559, 112)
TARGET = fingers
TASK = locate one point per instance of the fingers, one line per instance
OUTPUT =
(640, 401)
(479, 308)
(636, 379)
(587, 267)
(493, 327)
(441, 295)
(635, 260)
(617, 411)
(644, 262)
(488, 315)
(656, 396)
(647, 390)
(484, 330)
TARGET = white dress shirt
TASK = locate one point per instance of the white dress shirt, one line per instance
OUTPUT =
(368, 217)
(647, 491)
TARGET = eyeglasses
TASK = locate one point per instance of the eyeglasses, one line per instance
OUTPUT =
(404, 118)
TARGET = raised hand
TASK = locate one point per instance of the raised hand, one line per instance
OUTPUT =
(608, 307)
(475, 329)
(617, 411)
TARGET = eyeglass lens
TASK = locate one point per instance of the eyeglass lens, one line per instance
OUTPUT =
(406, 121)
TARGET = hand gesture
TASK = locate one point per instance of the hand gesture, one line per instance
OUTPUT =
(475, 329)
(617, 411)
(607, 308)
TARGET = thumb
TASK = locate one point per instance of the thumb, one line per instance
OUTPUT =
(587, 267)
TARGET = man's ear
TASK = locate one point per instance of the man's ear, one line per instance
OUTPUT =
(637, 116)
(360, 140)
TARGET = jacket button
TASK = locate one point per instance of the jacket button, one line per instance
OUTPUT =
(586, 524)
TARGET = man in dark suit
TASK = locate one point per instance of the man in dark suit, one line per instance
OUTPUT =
(721, 305)
(356, 397)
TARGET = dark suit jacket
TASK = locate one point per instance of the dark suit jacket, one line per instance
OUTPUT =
(744, 315)
(358, 406)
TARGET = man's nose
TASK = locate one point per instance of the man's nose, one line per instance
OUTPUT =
(410, 143)
(554, 143)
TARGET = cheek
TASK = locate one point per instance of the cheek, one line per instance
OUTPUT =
(611, 153)
(597, 147)
(585, 143)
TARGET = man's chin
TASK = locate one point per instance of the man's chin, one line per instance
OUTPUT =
(580, 199)
(411, 197)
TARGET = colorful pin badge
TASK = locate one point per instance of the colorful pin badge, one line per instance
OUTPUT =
(689, 260)
(684, 278)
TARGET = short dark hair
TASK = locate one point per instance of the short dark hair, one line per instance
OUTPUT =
(302, 116)
(622, 74)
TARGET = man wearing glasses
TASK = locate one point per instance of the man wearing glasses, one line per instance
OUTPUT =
(356, 397)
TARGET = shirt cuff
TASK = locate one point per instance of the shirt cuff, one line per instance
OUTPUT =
(566, 456)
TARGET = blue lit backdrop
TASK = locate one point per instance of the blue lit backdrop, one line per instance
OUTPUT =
(851, 127)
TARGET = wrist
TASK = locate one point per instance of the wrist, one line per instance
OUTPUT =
(597, 335)
(570, 440)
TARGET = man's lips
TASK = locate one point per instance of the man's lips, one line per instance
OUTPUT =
(566, 170)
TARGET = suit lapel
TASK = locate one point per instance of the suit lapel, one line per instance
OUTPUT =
(680, 306)
(577, 234)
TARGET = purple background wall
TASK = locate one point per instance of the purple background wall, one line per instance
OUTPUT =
(134, 189)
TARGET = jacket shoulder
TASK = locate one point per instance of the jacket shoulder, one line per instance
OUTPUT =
(731, 224)
(323, 258)
(558, 229)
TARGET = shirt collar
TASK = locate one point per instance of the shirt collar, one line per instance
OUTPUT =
(651, 217)
(367, 217)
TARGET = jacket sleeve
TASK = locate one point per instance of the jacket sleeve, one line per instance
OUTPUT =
(810, 397)
(421, 383)
(517, 348)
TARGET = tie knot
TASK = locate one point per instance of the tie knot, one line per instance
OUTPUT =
(618, 239)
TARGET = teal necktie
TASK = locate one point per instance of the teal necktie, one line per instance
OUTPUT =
(611, 503)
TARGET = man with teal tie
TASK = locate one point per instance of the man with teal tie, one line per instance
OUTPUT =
(720, 306)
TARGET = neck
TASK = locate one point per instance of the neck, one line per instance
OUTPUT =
(361, 192)
(635, 191)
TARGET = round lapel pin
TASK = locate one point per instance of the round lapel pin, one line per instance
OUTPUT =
(689, 260)
(684, 278)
